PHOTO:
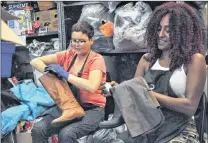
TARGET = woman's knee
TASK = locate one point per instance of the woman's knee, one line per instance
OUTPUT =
(39, 129)
(67, 137)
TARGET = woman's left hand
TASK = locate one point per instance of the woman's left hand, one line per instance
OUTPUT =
(59, 70)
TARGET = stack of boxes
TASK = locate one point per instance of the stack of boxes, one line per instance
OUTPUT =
(19, 26)
(46, 18)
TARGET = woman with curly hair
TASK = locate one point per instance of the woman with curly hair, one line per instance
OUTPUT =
(175, 41)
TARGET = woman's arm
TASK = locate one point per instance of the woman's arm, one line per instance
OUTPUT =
(41, 62)
(196, 76)
(90, 85)
(140, 71)
(142, 67)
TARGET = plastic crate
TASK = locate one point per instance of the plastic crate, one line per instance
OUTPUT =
(7, 49)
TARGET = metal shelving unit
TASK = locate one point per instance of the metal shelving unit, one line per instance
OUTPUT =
(120, 64)
(42, 34)
(61, 25)
(68, 14)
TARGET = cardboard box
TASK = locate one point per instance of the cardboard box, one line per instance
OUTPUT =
(48, 18)
(18, 26)
(17, 9)
(21, 5)
(27, 138)
(24, 137)
(46, 5)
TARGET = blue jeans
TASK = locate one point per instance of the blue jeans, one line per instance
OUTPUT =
(72, 132)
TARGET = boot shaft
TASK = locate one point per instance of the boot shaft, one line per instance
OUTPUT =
(59, 90)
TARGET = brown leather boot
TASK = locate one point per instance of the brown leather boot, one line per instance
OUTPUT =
(61, 93)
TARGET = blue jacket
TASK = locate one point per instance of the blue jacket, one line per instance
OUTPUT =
(34, 101)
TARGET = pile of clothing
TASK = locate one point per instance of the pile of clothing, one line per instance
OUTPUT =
(33, 102)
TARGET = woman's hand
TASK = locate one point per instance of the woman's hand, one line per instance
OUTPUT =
(105, 88)
(41, 63)
(154, 99)
(59, 70)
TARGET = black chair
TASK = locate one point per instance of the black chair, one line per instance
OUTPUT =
(109, 107)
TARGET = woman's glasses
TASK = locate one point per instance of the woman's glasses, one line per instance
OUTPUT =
(78, 41)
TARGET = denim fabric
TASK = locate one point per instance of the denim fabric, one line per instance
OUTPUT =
(72, 132)
(39, 131)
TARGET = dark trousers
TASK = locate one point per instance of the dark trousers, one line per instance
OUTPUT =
(72, 132)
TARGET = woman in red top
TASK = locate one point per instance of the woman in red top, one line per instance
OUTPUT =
(84, 70)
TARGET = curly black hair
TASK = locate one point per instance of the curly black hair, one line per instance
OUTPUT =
(184, 30)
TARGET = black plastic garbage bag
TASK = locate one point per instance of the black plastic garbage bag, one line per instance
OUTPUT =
(97, 15)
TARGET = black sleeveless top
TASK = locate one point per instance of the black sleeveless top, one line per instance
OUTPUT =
(174, 122)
